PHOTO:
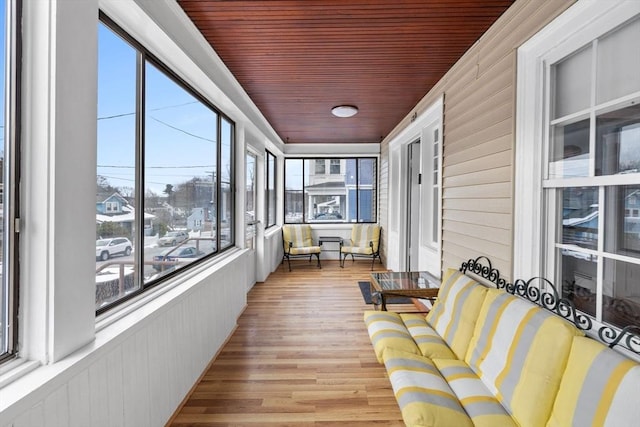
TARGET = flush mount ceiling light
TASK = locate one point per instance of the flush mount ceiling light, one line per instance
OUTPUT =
(344, 111)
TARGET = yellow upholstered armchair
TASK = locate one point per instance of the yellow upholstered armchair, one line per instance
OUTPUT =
(298, 242)
(364, 242)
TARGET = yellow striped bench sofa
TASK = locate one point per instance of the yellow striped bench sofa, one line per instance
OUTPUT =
(484, 357)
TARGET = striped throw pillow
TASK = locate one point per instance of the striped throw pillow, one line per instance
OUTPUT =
(519, 350)
(455, 312)
(600, 387)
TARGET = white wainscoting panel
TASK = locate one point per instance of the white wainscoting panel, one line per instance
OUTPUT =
(139, 375)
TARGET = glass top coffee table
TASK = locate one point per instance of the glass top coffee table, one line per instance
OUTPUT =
(412, 284)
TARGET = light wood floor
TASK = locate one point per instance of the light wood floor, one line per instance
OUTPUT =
(300, 357)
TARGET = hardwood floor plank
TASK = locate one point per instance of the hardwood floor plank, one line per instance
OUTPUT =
(300, 356)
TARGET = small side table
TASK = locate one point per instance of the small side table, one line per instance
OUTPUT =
(330, 239)
(412, 284)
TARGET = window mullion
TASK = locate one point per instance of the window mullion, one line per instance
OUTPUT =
(138, 221)
(218, 183)
(600, 263)
(547, 114)
(357, 190)
(592, 109)
(551, 227)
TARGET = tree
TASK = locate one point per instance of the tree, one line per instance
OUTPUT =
(151, 200)
(103, 185)
(168, 190)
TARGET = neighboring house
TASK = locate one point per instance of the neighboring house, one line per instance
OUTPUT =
(195, 221)
(116, 208)
(113, 204)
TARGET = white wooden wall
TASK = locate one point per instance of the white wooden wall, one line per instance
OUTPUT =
(141, 374)
(479, 124)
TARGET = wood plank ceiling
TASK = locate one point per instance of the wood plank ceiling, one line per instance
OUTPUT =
(297, 59)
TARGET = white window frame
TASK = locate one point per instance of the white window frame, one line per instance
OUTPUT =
(535, 240)
(430, 248)
(11, 145)
(576, 27)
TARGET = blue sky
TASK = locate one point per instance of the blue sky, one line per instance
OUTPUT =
(180, 130)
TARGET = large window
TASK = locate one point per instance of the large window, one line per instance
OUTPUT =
(270, 183)
(590, 157)
(250, 199)
(593, 180)
(347, 193)
(164, 196)
(9, 52)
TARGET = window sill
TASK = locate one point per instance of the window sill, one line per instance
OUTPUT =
(145, 300)
(15, 369)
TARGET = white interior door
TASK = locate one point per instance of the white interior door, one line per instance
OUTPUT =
(413, 206)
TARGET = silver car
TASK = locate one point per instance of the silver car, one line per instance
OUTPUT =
(172, 238)
(106, 248)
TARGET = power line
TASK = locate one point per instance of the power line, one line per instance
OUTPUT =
(183, 131)
(115, 116)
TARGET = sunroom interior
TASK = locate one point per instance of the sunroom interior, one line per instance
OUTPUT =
(520, 143)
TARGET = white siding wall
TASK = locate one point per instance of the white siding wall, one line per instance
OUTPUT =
(479, 126)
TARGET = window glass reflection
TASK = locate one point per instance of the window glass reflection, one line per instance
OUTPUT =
(618, 142)
(367, 203)
(569, 155)
(250, 201)
(622, 227)
(325, 193)
(116, 211)
(180, 176)
(579, 279)
(621, 293)
(226, 196)
(344, 192)
(270, 179)
(293, 196)
(580, 216)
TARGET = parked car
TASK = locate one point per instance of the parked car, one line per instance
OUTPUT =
(106, 248)
(172, 238)
(177, 256)
(328, 216)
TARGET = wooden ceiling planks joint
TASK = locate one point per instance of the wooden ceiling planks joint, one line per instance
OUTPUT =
(299, 58)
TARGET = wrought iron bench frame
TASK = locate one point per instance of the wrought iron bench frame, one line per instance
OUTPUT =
(544, 293)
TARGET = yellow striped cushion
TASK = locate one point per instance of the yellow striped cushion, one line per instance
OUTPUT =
(305, 251)
(298, 234)
(600, 387)
(424, 397)
(455, 312)
(427, 339)
(387, 330)
(361, 235)
(482, 406)
(519, 350)
(363, 250)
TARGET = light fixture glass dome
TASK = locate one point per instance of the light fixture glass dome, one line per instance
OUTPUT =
(344, 111)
